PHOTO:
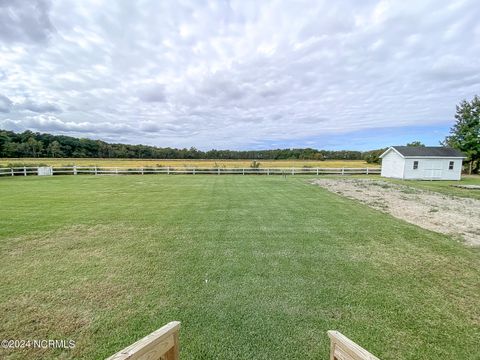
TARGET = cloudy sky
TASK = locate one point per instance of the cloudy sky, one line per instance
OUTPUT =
(239, 74)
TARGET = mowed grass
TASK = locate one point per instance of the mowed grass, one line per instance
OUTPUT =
(254, 267)
(189, 163)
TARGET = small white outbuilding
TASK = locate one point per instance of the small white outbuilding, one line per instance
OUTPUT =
(422, 163)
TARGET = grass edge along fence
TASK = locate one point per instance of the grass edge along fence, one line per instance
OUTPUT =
(96, 170)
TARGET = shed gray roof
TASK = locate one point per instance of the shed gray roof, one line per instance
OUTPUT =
(437, 151)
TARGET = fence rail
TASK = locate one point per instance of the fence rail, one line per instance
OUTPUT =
(342, 348)
(96, 170)
(162, 344)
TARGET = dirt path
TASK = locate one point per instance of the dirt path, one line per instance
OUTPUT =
(459, 217)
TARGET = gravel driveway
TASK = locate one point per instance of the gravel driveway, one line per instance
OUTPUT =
(455, 216)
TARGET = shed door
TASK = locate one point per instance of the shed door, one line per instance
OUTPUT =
(433, 169)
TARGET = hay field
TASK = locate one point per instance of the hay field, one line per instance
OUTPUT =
(188, 163)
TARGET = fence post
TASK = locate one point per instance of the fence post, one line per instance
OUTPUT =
(193, 171)
(317, 171)
(116, 170)
(343, 171)
(95, 169)
(342, 347)
(160, 344)
(268, 171)
(11, 169)
(24, 171)
(74, 169)
(293, 171)
(142, 170)
(367, 170)
(243, 171)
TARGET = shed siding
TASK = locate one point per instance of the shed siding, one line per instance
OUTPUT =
(392, 165)
(433, 169)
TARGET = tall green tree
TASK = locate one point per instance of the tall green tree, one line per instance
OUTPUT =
(373, 156)
(465, 134)
(55, 149)
(4, 140)
(416, 144)
(35, 147)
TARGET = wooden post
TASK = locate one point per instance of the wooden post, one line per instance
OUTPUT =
(342, 348)
(116, 170)
(160, 344)
(174, 352)
(142, 170)
(367, 170)
(193, 171)
(317, 171)
(243, 171)
(293, 171)
(168, 170)
(95, 169)
(24, 171)
(268, 171)
(218, 171)
(343, 171)
(11, 169)
(74, 169)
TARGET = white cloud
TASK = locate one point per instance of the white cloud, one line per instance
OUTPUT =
(24, 21)
(38, 107)
(234, 74)
(154, 93)
(5, 104)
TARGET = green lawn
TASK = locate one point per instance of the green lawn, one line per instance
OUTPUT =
(254, 267)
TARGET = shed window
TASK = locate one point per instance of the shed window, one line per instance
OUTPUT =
(415, 165)
(450, 165)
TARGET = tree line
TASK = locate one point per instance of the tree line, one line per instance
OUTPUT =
(464, 135)
(35, 144)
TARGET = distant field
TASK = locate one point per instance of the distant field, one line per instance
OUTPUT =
(189, 163)
(255, 267)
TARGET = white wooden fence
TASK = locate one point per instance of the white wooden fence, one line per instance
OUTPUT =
(96, 170)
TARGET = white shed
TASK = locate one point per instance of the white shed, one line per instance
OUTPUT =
(422, 163)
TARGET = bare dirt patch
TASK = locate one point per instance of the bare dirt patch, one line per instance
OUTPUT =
(454, 216)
